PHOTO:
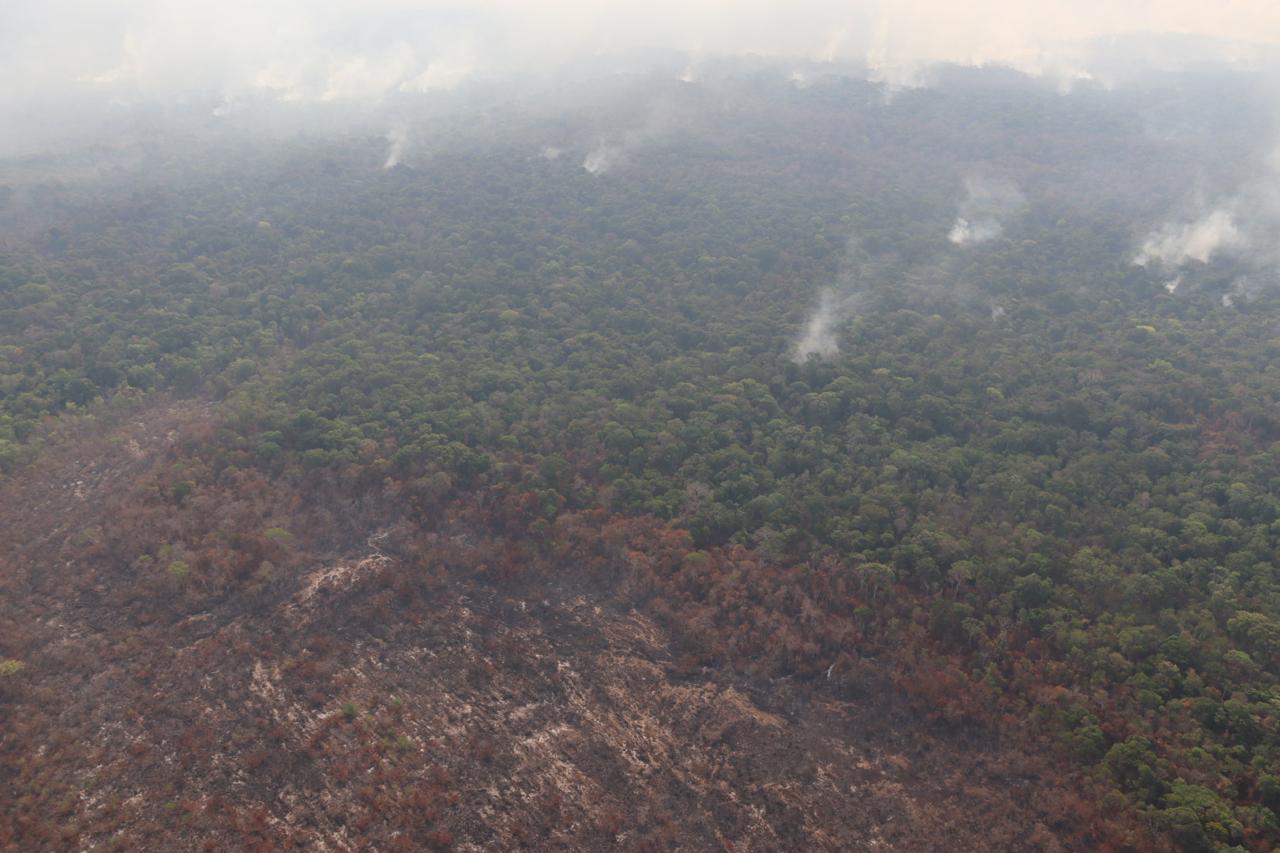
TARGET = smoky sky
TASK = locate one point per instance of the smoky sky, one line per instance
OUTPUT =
(339, 50)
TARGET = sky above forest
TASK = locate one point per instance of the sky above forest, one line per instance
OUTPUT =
(340, 49)
(63, 60)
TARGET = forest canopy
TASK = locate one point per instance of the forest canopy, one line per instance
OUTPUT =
(811, 374)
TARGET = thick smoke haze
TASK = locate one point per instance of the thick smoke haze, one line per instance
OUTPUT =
(64, 61)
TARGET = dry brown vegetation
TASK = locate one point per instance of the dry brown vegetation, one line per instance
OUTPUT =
(407, 692)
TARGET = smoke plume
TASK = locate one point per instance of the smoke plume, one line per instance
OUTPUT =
(661, 118)
(397, 139)
(1240, 233)
(1175, 243)
(819, 336)
(603, 157)
(872, 278)
(988, 204)
(837, 304)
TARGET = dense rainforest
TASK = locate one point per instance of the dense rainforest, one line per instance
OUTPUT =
(1029, 499)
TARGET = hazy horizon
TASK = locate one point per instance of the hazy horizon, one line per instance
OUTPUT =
(73, 68)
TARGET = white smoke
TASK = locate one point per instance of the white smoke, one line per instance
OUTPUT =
(964, 232)
(1249, 287)
(1241, 230)
(988, 204)
(364, 78)
(397, 140)
(226, 108)
(693, 68)
(603, 157)
(838, 303)
(550, 152)
(819, 336)
(799, 79)
(870, 278)
(444, 73)
(1175, 243)
(611, 152)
